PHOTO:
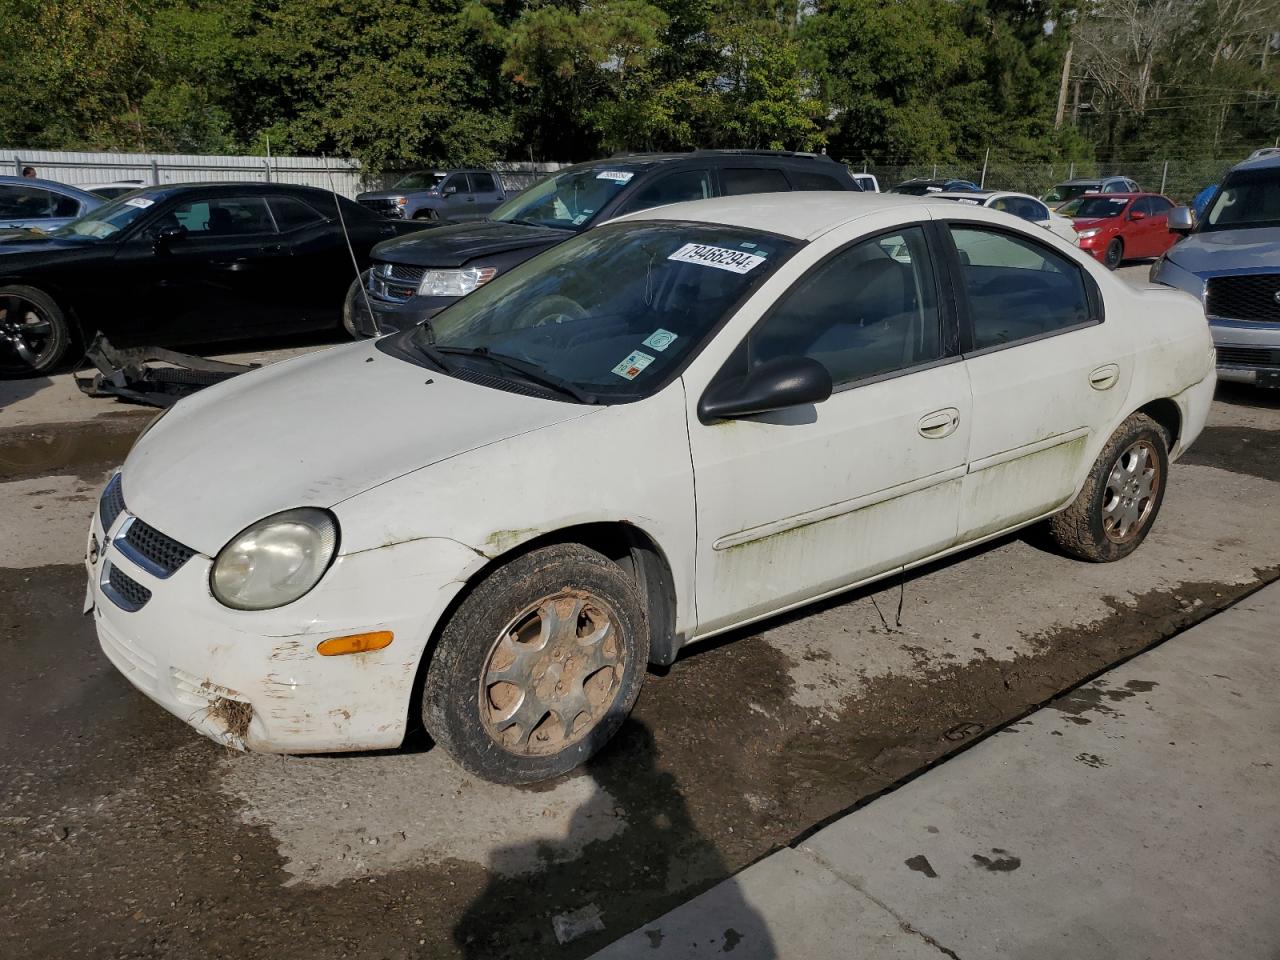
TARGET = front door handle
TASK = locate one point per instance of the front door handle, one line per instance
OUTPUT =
(939, 424)
(1105, 377)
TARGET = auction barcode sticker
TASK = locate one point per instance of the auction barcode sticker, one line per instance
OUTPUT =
(722, 258)
(621, 176)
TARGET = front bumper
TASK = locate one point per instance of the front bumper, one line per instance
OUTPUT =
(1248, 351)
(189, 653)
(390, 316)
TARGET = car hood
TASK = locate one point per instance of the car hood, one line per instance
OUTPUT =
(1219, 251)
(456, 245)
(1084, 223)
(311, 431)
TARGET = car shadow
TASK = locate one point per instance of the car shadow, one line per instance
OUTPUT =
(17, 390)
(615, 885)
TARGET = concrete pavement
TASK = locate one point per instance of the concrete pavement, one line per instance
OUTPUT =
(1137, 816)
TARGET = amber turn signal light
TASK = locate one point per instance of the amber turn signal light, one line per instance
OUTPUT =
(356, 643)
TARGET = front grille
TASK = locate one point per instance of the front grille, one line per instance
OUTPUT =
(154, 551)
(1248, 357)
(112, 503)
(1254, 296)
(402, 271)
(384, 208)
(127, 592)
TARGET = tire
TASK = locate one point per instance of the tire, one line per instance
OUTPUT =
(34, 333)
(427, 214)
(503, 676)
(1114, 255)
(1115, 510)
(353, 302)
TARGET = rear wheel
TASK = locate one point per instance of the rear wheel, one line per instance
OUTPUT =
(537, 669)
(34, 332)
(1121, 497)
(1115, 254)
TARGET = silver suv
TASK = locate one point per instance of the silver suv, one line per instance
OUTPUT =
(1231, 262)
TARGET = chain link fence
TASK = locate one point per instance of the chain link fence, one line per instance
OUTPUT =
(1179, 179)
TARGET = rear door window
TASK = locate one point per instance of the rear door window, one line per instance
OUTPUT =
(743, 180)
(291, 213)
(672, 188)
(1017, 289)
(482, 183)
(813, 180)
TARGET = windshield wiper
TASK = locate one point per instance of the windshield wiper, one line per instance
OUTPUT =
(424, 338)
(529, 371)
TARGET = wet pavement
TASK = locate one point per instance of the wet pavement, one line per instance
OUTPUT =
(125, 834)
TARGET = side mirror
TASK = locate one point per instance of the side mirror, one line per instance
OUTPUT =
(171, 233)
(1181, 220)
(1137, 215)
(776, 385)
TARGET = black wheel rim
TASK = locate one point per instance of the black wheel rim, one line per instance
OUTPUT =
(26, 332)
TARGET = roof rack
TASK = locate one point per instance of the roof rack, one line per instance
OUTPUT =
(724, 152)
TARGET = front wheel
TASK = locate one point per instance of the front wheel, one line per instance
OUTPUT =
(355, 309)
(1121, 496)
(1114, 255)
(537, 669)
(34, 332)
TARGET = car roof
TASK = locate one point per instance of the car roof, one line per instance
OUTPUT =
(53, 185)
(225, 187)
(1259, 163)
(666, 157)
(801, 215)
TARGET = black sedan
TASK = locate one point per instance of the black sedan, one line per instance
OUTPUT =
(182, 264)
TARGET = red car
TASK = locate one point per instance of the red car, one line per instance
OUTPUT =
(1114, 227)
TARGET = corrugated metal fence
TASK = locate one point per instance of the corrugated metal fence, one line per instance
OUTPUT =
(345, 176)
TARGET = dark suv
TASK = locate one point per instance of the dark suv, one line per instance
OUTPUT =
(415, 277)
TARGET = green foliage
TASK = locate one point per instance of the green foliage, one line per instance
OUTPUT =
(403, 83)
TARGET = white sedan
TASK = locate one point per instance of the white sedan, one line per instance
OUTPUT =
(1019, 205)
(665, 428)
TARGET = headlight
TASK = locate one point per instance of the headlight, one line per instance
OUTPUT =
(455, 283)
(1091, 232)
(276, 560)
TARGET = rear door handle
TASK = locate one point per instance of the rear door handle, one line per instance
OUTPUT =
(1105, 377)
(939, 424)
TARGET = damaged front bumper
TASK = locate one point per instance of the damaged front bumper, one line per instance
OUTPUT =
(254, 679)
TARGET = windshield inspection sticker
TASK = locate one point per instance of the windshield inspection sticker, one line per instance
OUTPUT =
(633, 366)
(621, 176)
(659, 340)
(141, 202)
(722, 258)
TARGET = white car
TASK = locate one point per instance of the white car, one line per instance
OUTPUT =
(1020, 205)
(660, 430)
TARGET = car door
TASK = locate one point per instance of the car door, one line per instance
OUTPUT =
(312, 279)
(33, 206)
(1162, 238)
(802, 502)
(1046, 373)
(1136, 228)
(206, 268)
(484, 187)
(458, 203)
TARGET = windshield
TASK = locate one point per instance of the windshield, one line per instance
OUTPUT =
(107, 219)
(1092, 206)
(1249, 198)
(610, 313)
(421, 180)
(1069, 191)
(568, 200)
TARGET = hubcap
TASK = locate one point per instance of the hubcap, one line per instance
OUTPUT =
(24, 330)
(1131, 492)
(552, 674)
